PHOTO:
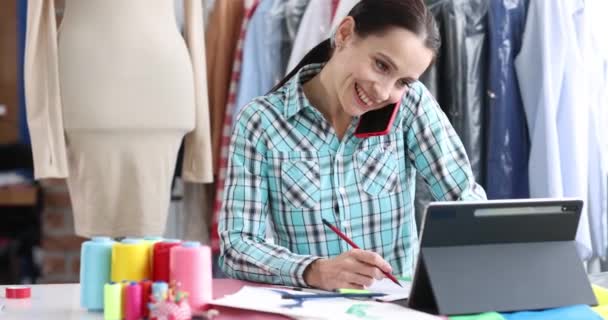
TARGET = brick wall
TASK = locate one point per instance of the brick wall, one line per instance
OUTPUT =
(60, 254)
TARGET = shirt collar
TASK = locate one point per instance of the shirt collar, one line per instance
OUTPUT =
(295, 98)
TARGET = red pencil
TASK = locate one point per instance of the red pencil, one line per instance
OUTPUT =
(352, 244)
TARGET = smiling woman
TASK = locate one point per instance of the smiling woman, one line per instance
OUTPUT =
(295, 159)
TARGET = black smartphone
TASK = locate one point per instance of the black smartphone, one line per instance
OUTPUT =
(377, 122)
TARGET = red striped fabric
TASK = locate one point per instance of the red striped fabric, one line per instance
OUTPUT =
(334, 7)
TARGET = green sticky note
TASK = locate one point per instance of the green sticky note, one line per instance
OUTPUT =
(349, 291)
(404, 278)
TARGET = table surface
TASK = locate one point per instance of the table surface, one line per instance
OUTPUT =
(62, 301)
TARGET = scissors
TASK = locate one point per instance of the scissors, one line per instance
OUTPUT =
(300, 298)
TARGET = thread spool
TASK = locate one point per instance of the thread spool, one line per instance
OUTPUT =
(17, 292)
(160, 290)
(153, 239)
(112, 301)
(95, 263)
(149, 241)
(146, 291)
(123, 301)
(130, 260)
(190, 266)
(160, 259)
(133, 302)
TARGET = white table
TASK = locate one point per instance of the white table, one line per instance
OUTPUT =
(62, 302)
(51, 301)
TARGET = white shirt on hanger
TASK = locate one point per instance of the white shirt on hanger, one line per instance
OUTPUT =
(313, 29)
(550, 71)
(596, 64)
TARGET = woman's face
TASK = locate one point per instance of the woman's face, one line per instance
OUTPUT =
(376, 70)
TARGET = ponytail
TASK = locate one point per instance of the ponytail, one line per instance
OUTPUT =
(319, 54)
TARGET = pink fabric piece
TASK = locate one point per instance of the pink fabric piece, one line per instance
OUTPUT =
(334, 7)
(222, 287)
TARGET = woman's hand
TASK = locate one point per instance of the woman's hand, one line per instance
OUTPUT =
(354, 269)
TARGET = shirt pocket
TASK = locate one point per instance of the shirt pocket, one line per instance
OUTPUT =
(301, 181)
(378, 171)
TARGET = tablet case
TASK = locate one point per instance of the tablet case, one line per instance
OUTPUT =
(499, 256)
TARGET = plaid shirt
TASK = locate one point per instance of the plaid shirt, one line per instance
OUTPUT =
(286, 161)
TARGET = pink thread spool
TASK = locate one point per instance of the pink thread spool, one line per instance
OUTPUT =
(133, 302)
(190, 266)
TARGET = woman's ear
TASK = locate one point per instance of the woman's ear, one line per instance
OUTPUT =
(344, 32)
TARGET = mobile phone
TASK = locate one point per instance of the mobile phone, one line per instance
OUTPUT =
(377, 122)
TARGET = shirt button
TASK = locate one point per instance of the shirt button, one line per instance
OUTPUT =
(342, 191)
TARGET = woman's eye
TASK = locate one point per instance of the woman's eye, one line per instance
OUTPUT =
(381, 65)
(403, 83)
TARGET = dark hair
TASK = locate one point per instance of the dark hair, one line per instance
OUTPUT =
(376, 16)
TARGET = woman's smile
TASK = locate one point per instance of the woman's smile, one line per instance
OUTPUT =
(362, 98)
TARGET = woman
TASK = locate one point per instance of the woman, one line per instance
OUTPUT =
(294, 158)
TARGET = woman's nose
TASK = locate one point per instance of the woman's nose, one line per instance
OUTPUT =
(381, 92)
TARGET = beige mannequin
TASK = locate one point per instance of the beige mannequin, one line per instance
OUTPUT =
(109, 102)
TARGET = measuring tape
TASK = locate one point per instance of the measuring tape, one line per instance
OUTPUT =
(18, 292)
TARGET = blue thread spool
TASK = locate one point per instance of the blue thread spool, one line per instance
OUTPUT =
(153, 238)
(95, 262)
(160, 290)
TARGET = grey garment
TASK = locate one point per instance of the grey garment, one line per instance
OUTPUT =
(197, 214)
(462, 71)
(458, 80)
(294, 10)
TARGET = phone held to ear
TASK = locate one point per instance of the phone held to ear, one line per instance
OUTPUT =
(377, 122)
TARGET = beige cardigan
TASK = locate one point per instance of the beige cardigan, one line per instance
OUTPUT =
(44, 107)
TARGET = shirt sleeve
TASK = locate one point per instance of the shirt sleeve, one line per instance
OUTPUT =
(197, 163)
(244, 252)
(436, 150)
(42, 95)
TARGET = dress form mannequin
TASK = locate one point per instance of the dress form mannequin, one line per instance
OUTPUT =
(109, 101)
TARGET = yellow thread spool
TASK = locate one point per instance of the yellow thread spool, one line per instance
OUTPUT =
(112, 301)
(130, 261)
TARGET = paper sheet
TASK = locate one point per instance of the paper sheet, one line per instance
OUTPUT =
(393, 291)
(266, 300)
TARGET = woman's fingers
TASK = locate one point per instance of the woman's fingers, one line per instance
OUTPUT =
(371, 258)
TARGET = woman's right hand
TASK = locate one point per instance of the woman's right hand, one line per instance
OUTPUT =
(355, 269)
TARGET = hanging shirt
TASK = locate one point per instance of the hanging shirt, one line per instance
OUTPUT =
(221, 37)
(293, 17)
(507, 145)
(463, 64)
(265, 52)
(458, 79)
(596, 63)
(286, 162)
(552, 82)
(227, 123)
(313, 29)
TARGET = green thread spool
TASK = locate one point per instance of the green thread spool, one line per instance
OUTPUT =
(112, 301)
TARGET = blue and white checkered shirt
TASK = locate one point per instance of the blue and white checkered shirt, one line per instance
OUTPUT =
(287, 164)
